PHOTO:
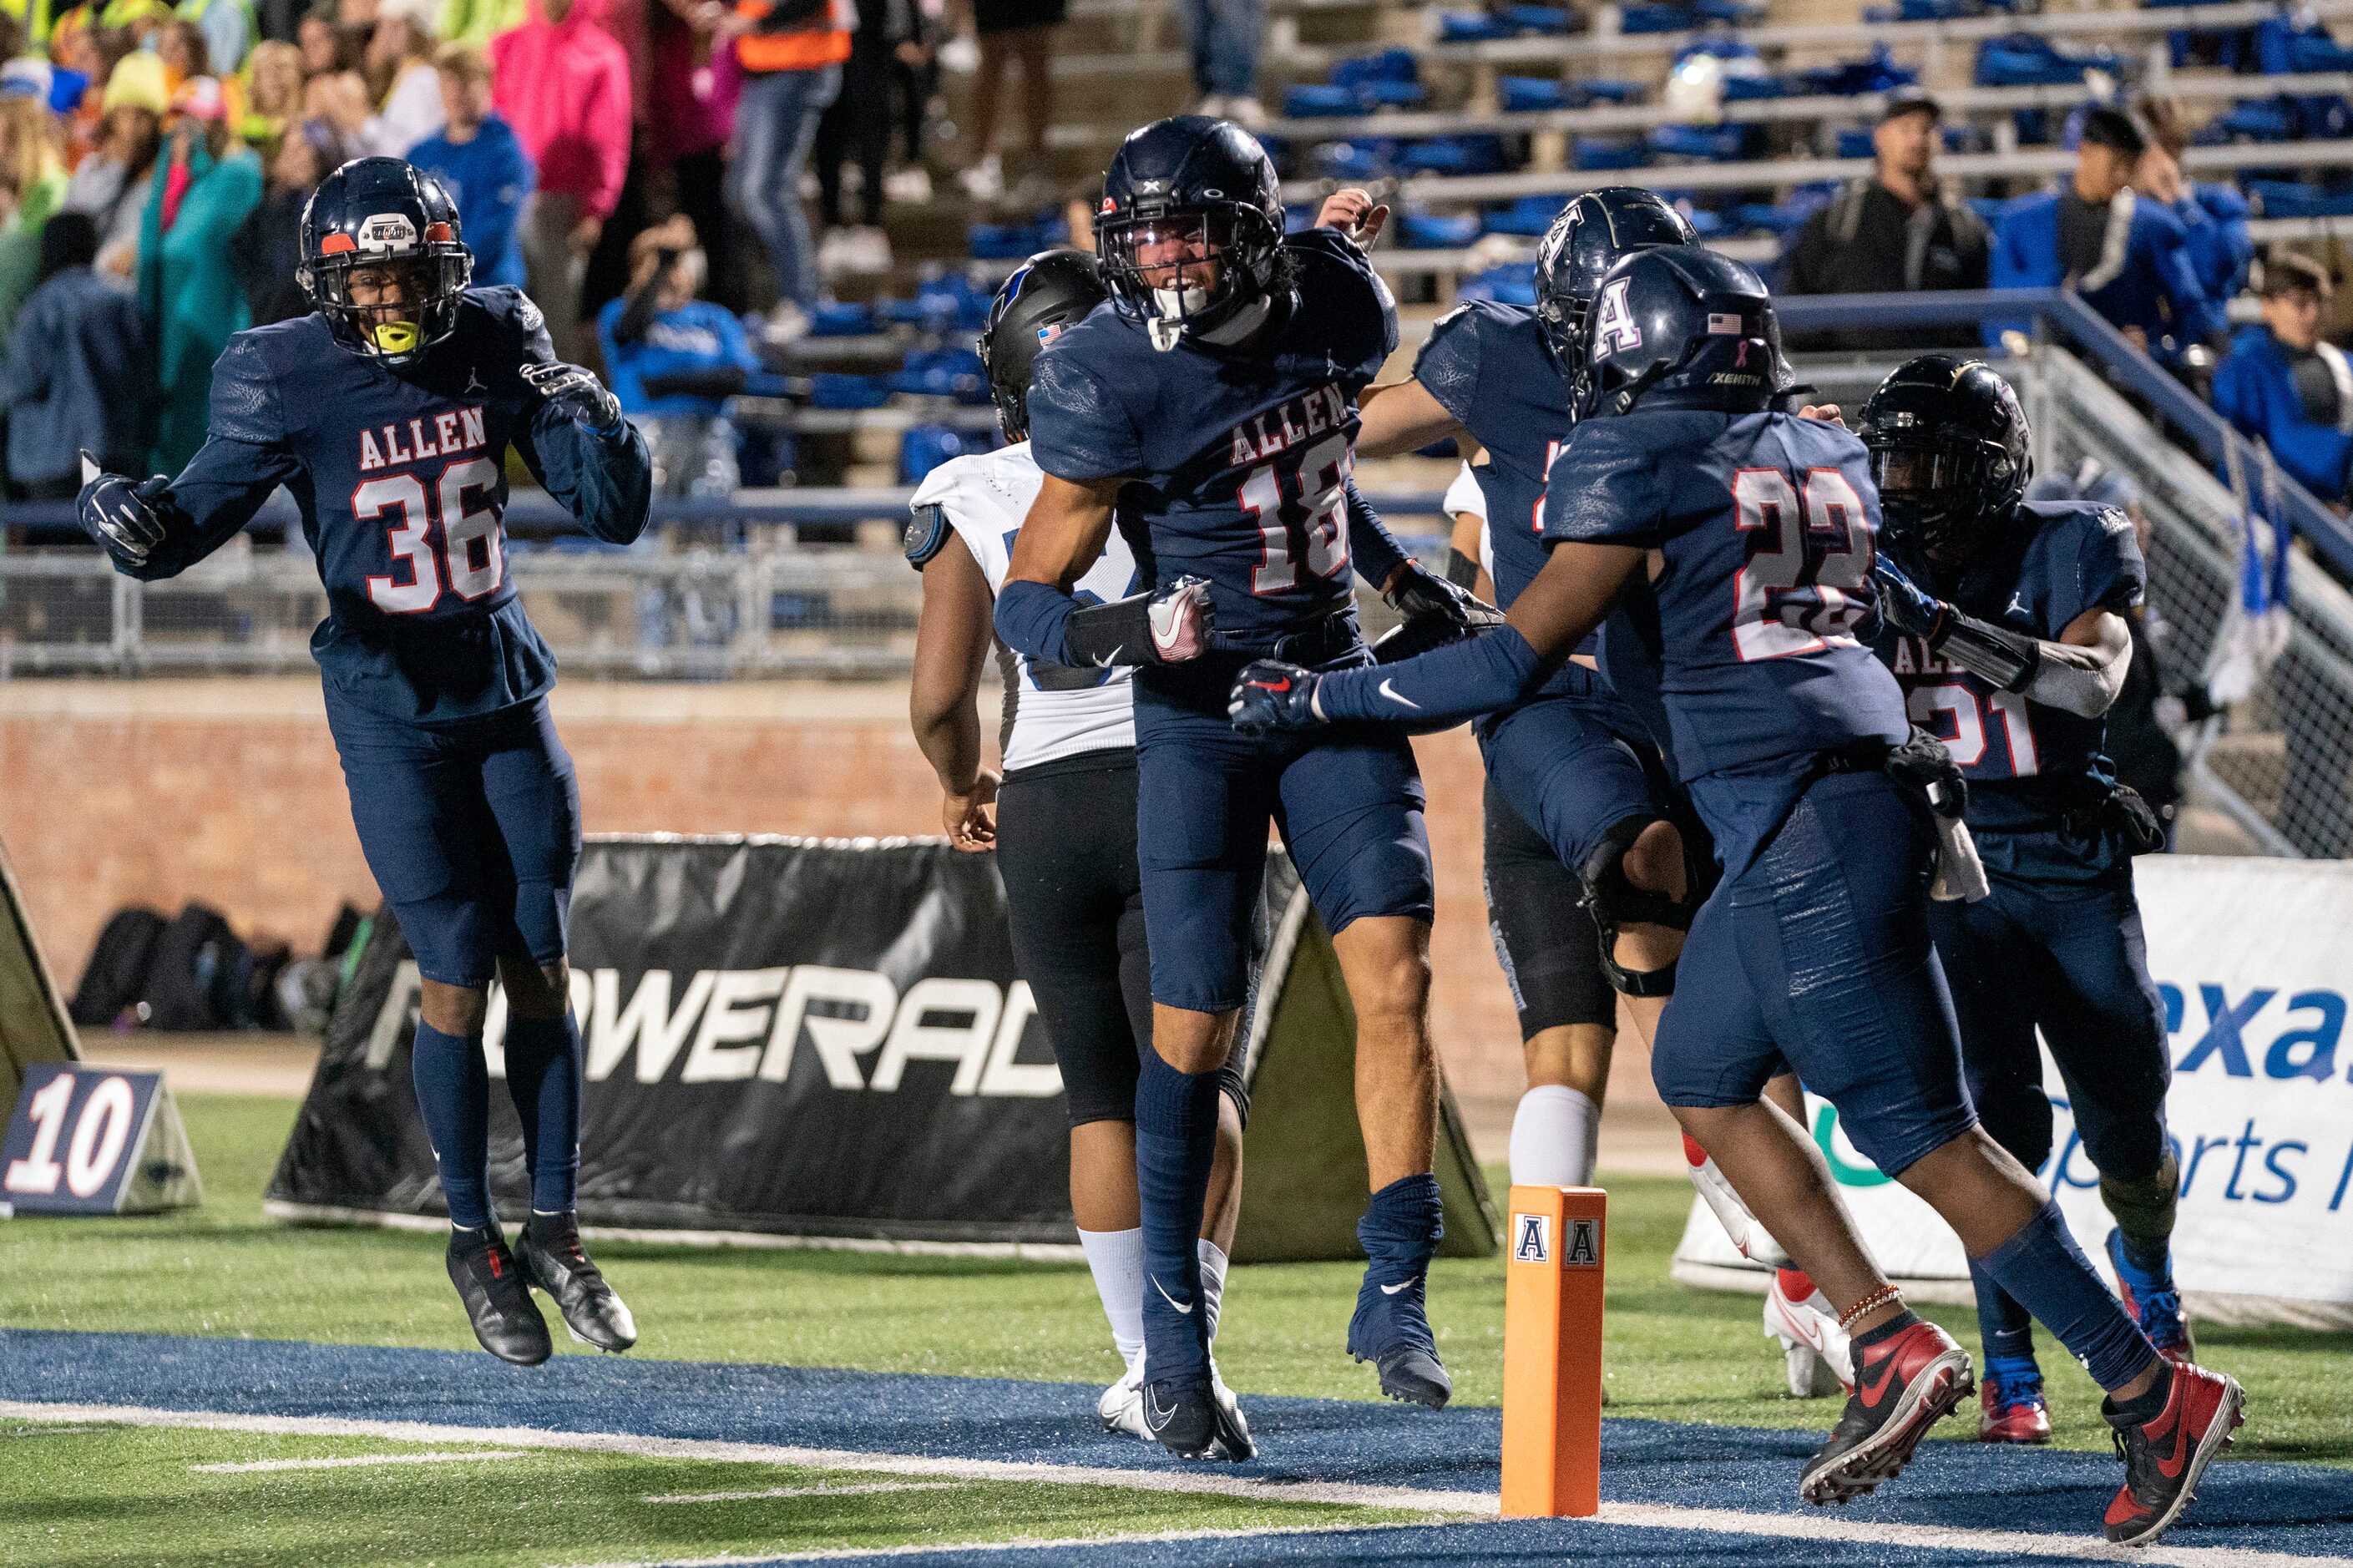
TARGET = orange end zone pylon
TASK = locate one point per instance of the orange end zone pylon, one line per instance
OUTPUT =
(1552, 1352)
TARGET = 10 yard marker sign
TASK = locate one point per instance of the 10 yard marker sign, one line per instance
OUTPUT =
(88, 1141)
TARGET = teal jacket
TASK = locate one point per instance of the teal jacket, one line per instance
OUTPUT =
(188, 289)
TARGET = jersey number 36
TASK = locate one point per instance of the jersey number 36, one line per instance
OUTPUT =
(1802, 587)
(472, 558)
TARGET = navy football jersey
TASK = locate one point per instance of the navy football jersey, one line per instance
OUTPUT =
(1486, 365)
(400, 478)
(1765, 523)
(2027, 763)
(1239, 462)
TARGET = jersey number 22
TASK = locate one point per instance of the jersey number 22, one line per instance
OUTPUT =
(1801, 588)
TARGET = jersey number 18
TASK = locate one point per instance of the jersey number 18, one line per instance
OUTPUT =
(1310, 525)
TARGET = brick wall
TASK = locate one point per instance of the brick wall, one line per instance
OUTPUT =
(156, 793)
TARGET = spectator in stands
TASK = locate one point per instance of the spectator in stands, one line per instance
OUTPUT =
(479, 21)
(857, 127)
(273, 98)
(1020, 31)
(326, 48)
(563, 83)
(79, 374)
(32, 185)
(112, 184)
(1225, 34)
(689, 113)
(791, 53)
(268, 243)
(480, 163)
(400, 69)
(204, 186)
(673, 360)
(1899, 230)
(2213, 217)
(227, 27)
(2285, 386)
(2126, 256)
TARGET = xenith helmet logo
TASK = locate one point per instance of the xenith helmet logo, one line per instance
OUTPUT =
(388, 231)
(1531, 1237)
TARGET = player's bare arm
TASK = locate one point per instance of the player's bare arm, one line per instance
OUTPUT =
(1400, 417)
(952, 638)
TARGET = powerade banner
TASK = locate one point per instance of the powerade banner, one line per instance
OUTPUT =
(2252, 959)
(823, 1038)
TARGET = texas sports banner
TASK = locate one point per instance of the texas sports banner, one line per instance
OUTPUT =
(825, 1041)
(2251, 958)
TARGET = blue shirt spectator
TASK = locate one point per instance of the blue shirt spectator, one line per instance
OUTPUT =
(80, 371)
(2282, 385)
(2128, 258)
(481, 160)
(2213, 217)
(667, 354)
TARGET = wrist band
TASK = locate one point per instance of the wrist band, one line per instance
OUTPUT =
(1881, 1296)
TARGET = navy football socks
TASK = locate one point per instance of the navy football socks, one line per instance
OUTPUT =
(2007, 1328)
(453, 1094)
(1176, 1141)
(1400, 1230)
(544, 1082)
(2048, 1274)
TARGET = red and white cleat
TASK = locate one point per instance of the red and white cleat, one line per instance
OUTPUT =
(2012, 1407)
(1814, 1349)
(2164, 1457)
(1903, 1384)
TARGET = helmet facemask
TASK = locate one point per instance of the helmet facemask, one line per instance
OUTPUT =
(431, 278)
(1191, 269)
(1936, 488)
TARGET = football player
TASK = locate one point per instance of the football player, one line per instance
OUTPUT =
(2007, 628)
(1063, 822)
(1741, 541)
(386, 413)
(1212, 408)
(1575, 782)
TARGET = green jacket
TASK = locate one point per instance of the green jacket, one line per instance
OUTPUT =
(188, 289)
(20, 249)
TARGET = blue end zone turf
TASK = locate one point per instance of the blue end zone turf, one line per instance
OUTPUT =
(2304, 1510)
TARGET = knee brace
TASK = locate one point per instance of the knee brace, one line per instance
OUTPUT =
(1613, 899)
(2144, 1209)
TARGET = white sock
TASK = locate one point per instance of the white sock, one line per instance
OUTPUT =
(1213, 1282)
(1554, 1133)
(1116, 1258)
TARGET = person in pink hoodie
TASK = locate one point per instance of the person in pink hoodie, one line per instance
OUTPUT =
(563, 82)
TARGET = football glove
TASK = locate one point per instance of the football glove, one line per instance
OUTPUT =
(1907, 606)
(577, 393)
(2003, 657)
(1268, 695)
(1169, 626)
(119, 513)
(1419, 594)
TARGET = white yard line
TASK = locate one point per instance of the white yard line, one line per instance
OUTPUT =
(855, 1553)
(2002, 1543)
(354, 1461)
(764, 1492)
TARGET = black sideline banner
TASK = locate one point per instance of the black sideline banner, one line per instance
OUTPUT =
(826, 1039)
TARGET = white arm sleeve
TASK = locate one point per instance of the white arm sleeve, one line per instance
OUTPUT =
(2083, 680)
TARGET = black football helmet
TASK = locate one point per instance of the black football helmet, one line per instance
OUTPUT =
(1950, 451)
(1594, 233)
(1051, 291)
(1191, 186)
(369, 212)
(1679, 326)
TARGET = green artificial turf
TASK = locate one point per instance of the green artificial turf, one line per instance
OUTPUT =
(78, 1497)
(1672, 1352)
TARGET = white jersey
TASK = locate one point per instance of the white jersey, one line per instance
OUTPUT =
(1051, 712)
(1464, 495)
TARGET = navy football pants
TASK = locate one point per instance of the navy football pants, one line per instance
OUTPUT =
(1348, 802)
(2070, 959)
(472, 831)
(1815, 957)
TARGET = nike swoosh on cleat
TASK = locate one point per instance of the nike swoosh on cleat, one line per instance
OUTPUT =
(1872, 1393)
(1391, 692)
(1184, 1307)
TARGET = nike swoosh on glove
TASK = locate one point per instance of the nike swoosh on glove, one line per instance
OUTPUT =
(1268, 695)
(1907, 606)
(1182, 618)
(119, 513)
(577, 392)
(1420, 594)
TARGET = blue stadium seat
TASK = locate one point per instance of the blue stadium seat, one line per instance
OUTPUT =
(1543, 21)
(1608, 89)
(831, 389)
(1529, 216)
(1650, 16)
(942, 373)
(923, 448)
(1875, 72)
(2284, 47)
(1512, 284)
(2028, 59)
(1363, 159)
(1471, 154)
(1431, 231)
(831, 320)
(1471, 27)
(1719, 145)
(1529, 94)
(2289, 198)
(1312, 100)
(1602, 152)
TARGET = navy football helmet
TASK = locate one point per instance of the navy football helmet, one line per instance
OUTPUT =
(376, 211)
(1051, 291)
(1180, 193)
(1594, 233)
(1950, 451)
(1679, 327)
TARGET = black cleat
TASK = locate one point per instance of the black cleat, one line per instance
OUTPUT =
(497, 1302)
(552, 1257)
(1391, 1329)
(1903, 1384)
(1186, 1416)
